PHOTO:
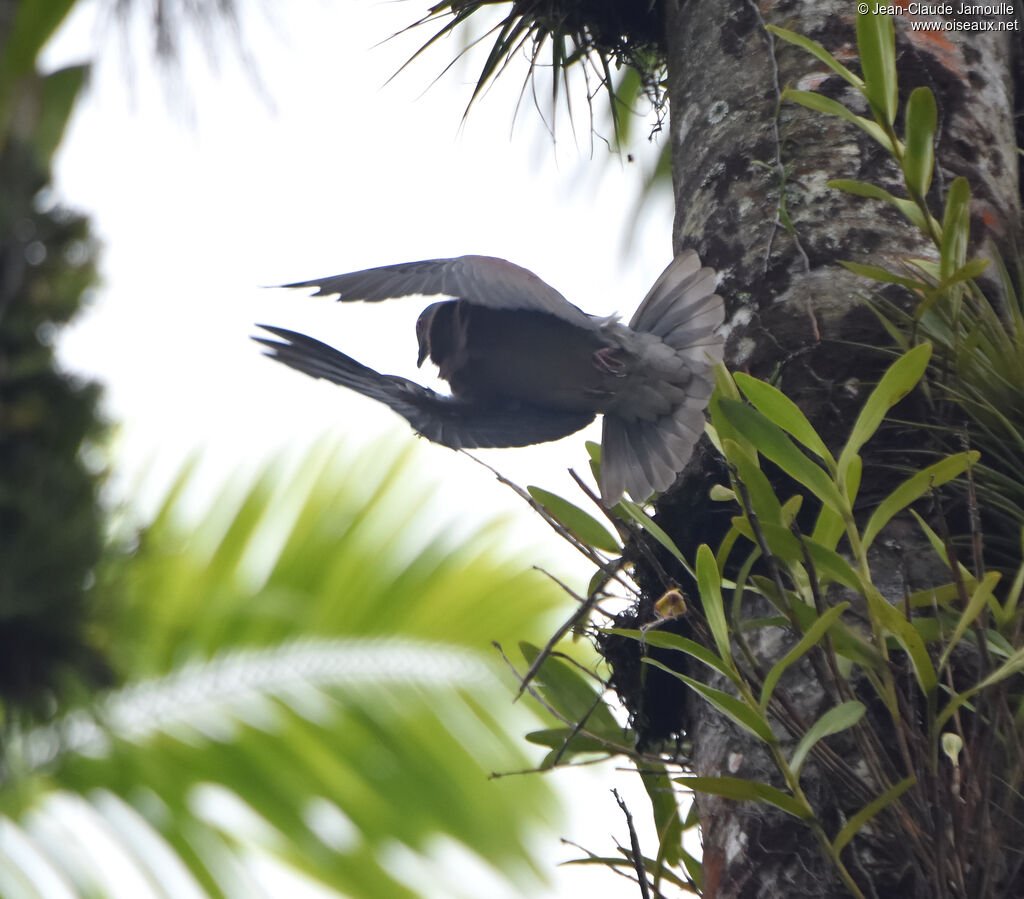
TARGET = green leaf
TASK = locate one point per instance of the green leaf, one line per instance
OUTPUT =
(773, 443)
(597, 579)
(936, 543)
(668, 640)
(896, 624)
(735, 709)
(969, 270)
(929, 629)
(876, 45)
(910, 210)
(979, 598)
(833, 567)
(35, 22)
(852, 475)
(580, 524)
(846, 641)
(720, 429)
(762, 497)
(570, 741)
(1010, 667)
(269, 648)
(781, 541)
(956, 228)
(57, 94)
(913, 489)
(819, 103)
(791, 508)
(724, 383)
(919, 158)
(828, 528)
(695, 868)
(667, 822)
(719, 493)
(1013, 595)
(747, 790)
(896, 383)
(862, 189)
(819, 53)
(709, 583)
(727, 545)
(779, 409)
(884, 275)
(934, 597)
(833, 721)
(862, 817)
(812, 637)
(648, 524)
(569, 693)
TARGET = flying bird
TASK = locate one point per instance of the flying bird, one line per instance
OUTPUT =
(525, 365)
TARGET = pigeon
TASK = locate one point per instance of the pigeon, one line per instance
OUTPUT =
(526, 366)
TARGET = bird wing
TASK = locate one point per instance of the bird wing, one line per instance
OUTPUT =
(482, 280)
(442, 419)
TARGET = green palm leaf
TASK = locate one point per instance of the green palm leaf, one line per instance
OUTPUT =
(308, 676)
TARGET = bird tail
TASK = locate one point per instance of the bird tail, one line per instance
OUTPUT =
(642, 457)
(683, 309)
(318, 360)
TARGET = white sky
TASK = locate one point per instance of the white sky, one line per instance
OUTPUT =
(324, 169)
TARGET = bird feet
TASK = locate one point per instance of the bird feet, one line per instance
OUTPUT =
(609, 359)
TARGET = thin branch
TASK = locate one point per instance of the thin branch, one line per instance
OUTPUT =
(634, 844)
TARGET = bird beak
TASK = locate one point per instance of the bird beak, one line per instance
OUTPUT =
(423, 324)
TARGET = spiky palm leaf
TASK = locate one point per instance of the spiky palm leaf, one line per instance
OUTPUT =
(311, 662)
(600, 37)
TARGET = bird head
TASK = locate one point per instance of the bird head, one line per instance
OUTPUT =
(423, 332)
(431, 334)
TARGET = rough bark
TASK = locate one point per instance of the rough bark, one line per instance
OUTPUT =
(796, 314)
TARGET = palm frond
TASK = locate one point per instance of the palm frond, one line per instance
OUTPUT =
(307, 677)
(599, 38)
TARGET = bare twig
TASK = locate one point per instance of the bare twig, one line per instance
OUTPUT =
(557, 715)
(634, 845)
(586, 607)
(587, 551)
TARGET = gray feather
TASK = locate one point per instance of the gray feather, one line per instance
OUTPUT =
(442, 419)
(483, 280)
(679, 272)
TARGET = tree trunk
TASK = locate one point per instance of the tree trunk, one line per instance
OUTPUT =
(739, 157)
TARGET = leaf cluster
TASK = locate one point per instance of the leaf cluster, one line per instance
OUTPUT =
(599, 37)
(978, 361)
(824, 589)
(307, 678)
(919, 721)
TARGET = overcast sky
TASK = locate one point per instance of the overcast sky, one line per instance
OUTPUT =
(206, 188)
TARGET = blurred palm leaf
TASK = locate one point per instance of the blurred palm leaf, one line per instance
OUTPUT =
(308, 676)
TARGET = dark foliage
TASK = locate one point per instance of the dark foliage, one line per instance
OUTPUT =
(50, 523)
